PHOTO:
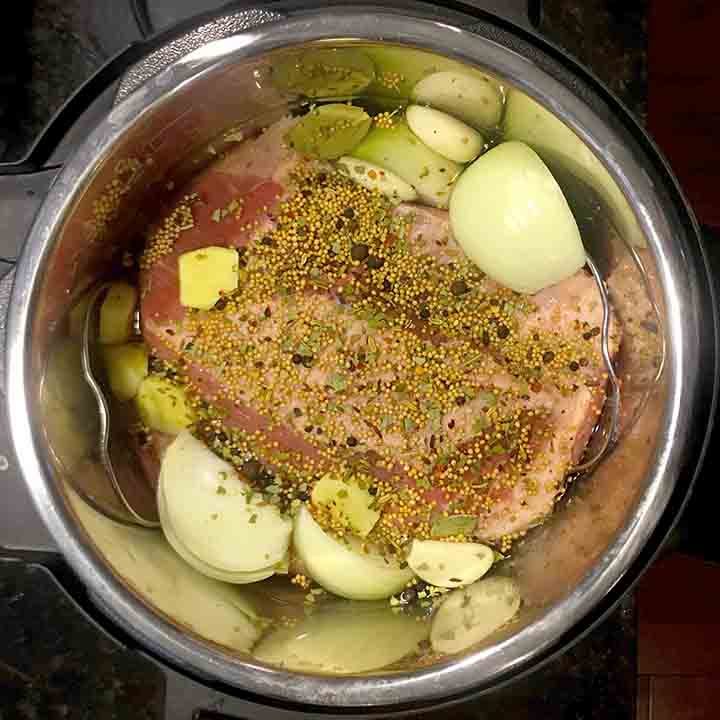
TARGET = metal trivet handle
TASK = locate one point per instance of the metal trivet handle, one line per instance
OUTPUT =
(613, 395)
(141, 507)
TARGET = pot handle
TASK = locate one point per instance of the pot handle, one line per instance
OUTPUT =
(24, 186)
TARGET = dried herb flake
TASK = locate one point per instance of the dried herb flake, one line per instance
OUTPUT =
(453, 525)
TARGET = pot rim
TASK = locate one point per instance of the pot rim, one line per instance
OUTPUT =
(484, 667)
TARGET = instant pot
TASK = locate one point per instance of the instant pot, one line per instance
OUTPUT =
(173, 94)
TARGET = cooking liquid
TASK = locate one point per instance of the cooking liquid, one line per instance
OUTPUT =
(287, 605)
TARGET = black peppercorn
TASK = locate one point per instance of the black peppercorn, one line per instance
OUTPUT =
(359, 252)
(352, 441)
(252, 470)
(458, 287)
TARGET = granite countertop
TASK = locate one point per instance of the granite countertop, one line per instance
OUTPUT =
(55, 661)
(610, 37)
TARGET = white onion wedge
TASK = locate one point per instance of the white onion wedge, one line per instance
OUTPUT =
(444, 134)
(374, 177)
(563, 151)
(222, 613)
(449, 564)
(344, 639)
(470, 614)
(511, 218)
(236, 577)
(475, 100)
(350, 505)
(399, 150)
(211, 511)
(342, 568)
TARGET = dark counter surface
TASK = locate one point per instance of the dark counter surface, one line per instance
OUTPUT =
(55, 661)
(610, 37)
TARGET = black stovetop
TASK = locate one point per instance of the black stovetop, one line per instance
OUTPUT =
(59, 658)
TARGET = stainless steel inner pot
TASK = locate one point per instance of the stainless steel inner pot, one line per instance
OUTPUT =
(633, 219)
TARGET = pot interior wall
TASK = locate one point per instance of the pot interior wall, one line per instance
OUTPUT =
(187, 130)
